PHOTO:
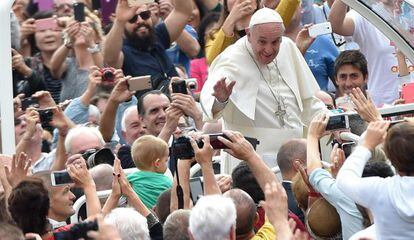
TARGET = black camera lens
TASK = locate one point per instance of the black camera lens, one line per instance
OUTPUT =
(103, 156)
(108, 75)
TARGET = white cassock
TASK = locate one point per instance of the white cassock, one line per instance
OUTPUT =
(261, 96)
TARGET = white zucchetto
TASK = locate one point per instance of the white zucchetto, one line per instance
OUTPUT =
(265, 15)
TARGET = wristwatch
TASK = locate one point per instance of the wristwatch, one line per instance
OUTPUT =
(94, 49)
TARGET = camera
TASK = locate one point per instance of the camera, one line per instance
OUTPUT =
(95, 157)
(191, 83)
(46, 116)
(108, 75)
(181, 147)
(179, 86)
(29, 102)
(337, 122)
(78, 231)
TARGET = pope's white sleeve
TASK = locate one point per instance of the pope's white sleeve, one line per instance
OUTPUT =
(311, 107)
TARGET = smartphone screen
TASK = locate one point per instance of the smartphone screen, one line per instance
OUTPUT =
(196, 189)
(79, 11)
(337, 122)
(60, 177)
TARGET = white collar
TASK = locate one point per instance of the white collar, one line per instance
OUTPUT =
(55, 224)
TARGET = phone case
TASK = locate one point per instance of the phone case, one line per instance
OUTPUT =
(79, 11)
(140, 83)
(320, 29)
(407, 92)
(47, 23)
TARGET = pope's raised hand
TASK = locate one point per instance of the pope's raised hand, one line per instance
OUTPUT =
(222, 90)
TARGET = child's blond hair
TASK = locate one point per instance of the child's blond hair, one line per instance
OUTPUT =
(146, 150)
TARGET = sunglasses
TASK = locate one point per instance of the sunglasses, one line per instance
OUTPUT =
(144, 15)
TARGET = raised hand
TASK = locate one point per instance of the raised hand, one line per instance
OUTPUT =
(124, 12)
(222, 91)
(187, 104)
(303, 40)
(337, 159)
(238, 146)
(375, 134)
(45, 99)
(19, 64)
(32, 118)
(27, 28)
(121, 93)
(365, 106)
(317, 127)
(80, 174)
(19, 169)
(203, 155)
(275, 205)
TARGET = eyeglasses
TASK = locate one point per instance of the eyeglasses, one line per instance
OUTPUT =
(144, 15)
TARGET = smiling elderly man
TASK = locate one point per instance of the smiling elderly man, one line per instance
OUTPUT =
(262, 87)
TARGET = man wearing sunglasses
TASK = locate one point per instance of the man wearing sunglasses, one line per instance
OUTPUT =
(136, 45)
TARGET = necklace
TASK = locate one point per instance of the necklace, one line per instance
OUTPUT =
(280, 112)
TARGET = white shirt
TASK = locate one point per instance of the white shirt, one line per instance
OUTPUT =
(391, 200)
(380, 55)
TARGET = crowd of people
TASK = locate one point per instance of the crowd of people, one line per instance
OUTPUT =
(203, 120)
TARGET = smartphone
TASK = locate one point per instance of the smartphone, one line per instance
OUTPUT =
(320, 29)
(139, 2)
(179, 86)
(140, 83)
(215, 143)
(347, 147)
(60, 178)
(45, 24)
(196, 189)
(79, 11)
(29, 102)
(108, 7)
(337, 122)
(407, 92)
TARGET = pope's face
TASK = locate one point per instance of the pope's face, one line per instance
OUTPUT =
(265, 40)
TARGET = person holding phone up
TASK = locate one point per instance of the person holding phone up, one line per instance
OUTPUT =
(142, 50)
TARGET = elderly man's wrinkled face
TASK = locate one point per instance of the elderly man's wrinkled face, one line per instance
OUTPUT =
(349, 77)
(265, 40)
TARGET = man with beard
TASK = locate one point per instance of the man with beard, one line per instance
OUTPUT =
(143, 50)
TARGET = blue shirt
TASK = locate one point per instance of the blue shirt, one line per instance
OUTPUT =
(154, 61)
(351, 219)
(320, 58)
(179, 57)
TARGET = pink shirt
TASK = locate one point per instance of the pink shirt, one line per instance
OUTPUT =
(199, 70)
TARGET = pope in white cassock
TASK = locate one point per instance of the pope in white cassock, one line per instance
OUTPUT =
(262, 87)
